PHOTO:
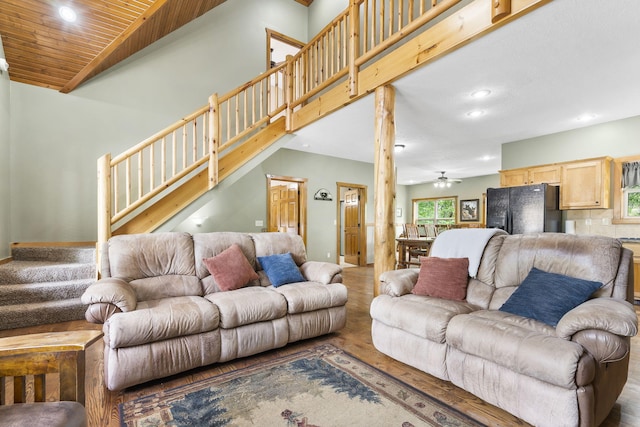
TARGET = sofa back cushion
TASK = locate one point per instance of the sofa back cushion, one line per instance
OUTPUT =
(594, 258)
(274, 243)
(208, 245)
(158, 265)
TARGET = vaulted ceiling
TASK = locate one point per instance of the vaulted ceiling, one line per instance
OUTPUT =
(44, 50)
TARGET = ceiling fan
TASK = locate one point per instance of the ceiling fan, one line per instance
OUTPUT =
(442, 181)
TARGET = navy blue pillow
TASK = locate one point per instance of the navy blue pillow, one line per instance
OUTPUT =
(548, 296)
(281, 269)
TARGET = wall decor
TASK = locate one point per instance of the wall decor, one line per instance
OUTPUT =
(323, 194)
(469, 210)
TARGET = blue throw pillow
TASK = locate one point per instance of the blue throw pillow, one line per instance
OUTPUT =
(281, 269)
(548, 296)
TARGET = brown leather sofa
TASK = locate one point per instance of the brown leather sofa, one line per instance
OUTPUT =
(164, 313)
(567, 375)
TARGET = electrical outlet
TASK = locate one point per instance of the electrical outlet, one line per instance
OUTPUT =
(606, 221)
(587, 221)
(328, 254)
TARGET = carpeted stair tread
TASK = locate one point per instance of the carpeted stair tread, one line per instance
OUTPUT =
(23, 315)
(16, 272)
(26, 293)
(70, 254)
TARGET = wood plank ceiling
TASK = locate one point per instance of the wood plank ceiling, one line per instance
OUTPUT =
(44, 50)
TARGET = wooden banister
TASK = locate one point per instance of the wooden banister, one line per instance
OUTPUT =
(130, 181)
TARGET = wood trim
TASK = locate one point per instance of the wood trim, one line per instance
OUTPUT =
(280, 37)
(51, 244)
(305, 2)
(6, 260)
(618, 200)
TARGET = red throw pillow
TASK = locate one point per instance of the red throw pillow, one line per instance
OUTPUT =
(443, 278)
(230, 268)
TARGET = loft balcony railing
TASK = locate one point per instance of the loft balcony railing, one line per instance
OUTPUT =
(157, 166)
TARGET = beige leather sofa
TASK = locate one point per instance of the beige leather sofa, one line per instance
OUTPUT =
(568, 375)
(163, 312)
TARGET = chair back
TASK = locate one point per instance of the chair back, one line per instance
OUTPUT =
(411, 231)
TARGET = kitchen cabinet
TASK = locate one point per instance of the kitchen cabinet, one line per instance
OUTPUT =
(586, 184)
(549, 174)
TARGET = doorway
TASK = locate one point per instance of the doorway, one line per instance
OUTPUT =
(286, 205)
(351, 227)
(279, 46)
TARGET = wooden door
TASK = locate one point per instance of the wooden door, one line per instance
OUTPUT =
(284, 207)
(352, 227)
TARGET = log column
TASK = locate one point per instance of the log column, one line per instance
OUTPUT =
(384, 183)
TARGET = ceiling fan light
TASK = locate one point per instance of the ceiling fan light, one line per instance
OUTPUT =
(448, 184)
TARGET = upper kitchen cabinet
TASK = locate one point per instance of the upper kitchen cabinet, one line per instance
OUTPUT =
(586, 184)
(549, 174)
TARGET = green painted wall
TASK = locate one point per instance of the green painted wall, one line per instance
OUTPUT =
(236, 207)
(5, 172)
(616, 139)
(56, 138)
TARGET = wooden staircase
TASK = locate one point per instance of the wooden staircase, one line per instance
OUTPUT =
(365, 47)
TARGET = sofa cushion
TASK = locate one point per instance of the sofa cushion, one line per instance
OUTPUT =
(248, 305)
(280, 243)
(443, 277)
(207, 245)
(425, 317)
(138, 256)
(547, 296)
(281, 269)
(311, 296)
(522, 345)
(230, 269)
(161, 319)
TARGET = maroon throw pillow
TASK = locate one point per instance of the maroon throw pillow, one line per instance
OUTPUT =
(443, 278)
(230, 269)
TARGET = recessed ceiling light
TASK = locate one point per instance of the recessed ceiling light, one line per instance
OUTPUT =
(475, 113)
(67, 13)
(481, 93)
(586, 117)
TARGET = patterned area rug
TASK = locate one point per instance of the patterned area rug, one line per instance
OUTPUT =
(323, 386)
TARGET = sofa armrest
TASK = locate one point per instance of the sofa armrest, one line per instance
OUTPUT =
(108, 296)
(398, 282)
(605, 314)
(322, 272)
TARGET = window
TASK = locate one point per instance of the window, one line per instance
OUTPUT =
(434, 211)
(631, 199)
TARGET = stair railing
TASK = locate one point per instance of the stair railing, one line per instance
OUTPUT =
(155, 166)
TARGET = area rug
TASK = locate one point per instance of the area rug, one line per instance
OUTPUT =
(319, 387)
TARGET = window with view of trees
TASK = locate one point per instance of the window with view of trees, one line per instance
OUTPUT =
(632, 202)
(434, 211)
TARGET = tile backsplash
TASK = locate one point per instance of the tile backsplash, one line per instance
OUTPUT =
(600, 222)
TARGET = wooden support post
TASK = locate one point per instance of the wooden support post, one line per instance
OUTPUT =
(104, 203)
(288, 91)
(214, 139)
(384, 183)
(354, 46)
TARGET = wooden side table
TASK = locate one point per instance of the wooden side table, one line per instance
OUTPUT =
(39, 355)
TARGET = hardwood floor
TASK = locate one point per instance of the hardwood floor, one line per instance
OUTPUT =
(102, 405)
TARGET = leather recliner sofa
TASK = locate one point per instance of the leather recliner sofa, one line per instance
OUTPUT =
(164, 313)
(567, 375)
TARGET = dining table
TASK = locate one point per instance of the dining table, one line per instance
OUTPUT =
(406, 244)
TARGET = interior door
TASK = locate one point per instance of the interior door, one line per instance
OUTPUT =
(352, 227)
(284, 208)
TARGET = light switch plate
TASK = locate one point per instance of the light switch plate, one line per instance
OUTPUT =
(259, 223)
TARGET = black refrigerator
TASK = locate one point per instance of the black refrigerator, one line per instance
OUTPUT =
(524, 209)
